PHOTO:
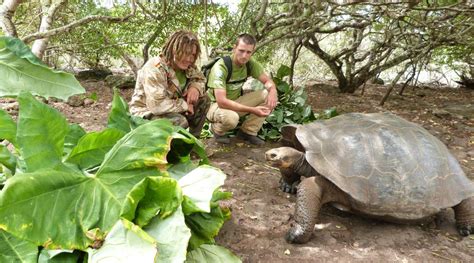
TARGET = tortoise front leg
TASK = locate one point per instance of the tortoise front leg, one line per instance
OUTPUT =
(464, 214)
(289, 180)
(308, 204)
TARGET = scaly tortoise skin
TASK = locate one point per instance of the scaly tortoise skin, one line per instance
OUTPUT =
(377, 164)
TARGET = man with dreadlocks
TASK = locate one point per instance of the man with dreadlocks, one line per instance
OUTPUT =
(170, 85)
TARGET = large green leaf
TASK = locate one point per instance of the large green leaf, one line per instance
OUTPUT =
(60, 209)
(20, 50)
(59, 256)
(72, 137)
(205, 226)
(177, 171)
(41, 132)
(172, 236)
(120, 118)
(7, 158)
(125, 243)
(154, 196)
(13, 249)
(199, 186)
(92, 147)
(20, 71)
(7, 127)
(212, 254)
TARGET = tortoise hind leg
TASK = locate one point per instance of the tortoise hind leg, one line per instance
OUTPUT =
(464, 214)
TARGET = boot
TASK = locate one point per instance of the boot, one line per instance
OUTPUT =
(250, 138)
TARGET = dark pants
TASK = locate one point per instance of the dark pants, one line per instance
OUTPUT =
(195, 122)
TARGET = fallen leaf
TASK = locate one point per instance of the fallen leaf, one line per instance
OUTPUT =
(287, 252)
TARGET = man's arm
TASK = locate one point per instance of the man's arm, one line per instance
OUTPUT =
(160, 97)
(272, 98)
(196, 85)
(224, 103)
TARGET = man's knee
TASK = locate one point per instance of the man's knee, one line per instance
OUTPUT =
(261, 94)
(230, 120)
(176, 118)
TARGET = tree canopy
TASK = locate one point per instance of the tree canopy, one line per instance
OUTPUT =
(356, 40)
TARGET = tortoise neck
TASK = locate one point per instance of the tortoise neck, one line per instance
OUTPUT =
(303, 168)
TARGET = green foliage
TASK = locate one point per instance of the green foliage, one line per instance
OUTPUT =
(292, 108)
(98, 45)
(13, 249)
(21, 70)
(113, 186)
(211, 253)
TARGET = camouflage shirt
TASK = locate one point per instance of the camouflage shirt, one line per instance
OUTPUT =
(157, 90)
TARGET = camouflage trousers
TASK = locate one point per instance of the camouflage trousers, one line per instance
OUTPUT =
(194, 122)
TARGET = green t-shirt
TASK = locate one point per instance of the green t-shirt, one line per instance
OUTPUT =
(181, 76)
(218, 76)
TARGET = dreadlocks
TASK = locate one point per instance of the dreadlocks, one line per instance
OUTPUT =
(181, 43)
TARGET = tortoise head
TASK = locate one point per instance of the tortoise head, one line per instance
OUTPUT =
(283, 157)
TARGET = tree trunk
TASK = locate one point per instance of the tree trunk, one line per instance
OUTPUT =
(48, 9)
(394, 82)
(335, 67)
(296, 52)
(413, 73)
(7, 10)
(149, 42)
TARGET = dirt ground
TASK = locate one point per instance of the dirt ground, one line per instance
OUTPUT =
(261, 213)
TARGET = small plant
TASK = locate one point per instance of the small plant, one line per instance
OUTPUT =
(291, 109)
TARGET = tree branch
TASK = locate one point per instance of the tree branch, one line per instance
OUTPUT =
(261, 13)
(48, 11)
(80, 22)
(7, 10)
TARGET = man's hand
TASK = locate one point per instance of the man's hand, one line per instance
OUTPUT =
(191, 95)
(272, 98)
(261, 111)
(190, 110)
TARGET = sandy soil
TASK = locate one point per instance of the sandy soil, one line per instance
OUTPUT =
(261, 213)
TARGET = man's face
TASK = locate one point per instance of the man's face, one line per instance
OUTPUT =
(187, 59)
(242, 52)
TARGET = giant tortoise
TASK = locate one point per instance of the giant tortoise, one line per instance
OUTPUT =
(378, 165)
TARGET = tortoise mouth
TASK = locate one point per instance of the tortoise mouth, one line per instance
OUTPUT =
(275, 163)
(274, 160)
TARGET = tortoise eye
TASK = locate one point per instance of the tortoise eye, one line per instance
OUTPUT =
(273, 155)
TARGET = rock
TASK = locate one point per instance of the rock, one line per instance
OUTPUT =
(461, 111)
(75, 101)
(120, 81)
(377, 81)
(440, 113)
(93, 74)
(88, 102)
(53, 99)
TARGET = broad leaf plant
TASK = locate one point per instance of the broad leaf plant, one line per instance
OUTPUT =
(128, 193)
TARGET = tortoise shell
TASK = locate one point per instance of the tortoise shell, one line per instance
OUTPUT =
(388, 166)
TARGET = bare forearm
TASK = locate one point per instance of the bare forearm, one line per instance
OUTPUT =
(234, 106)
